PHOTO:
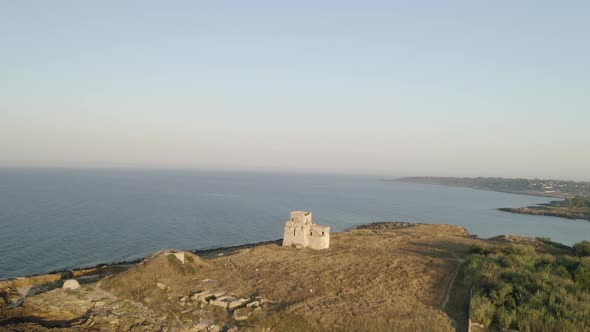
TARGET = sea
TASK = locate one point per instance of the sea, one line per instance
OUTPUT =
(55, 219)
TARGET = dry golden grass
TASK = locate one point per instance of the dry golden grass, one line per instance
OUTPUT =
(378, 280)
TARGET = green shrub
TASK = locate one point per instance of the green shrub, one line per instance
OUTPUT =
(516, 288)
(519, 249)
(172, 259)
(472, 269)
(582, 249)
(482, 310)
(549, 242)
(480, 250)
(582, 277)
(504, 318)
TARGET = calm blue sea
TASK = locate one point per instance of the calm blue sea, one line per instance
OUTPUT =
(56, 219)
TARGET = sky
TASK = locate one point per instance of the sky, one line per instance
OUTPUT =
(388, 88)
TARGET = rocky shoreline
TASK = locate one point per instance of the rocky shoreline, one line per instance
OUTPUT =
(14, 289)
(103, 269)
(545, 211)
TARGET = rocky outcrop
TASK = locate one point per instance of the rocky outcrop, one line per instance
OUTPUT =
(89, 308)
(240, 308)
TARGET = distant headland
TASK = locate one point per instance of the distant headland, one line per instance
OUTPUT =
(536, 187)
(575, 203)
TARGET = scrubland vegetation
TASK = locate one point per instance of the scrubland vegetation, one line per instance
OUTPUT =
(516, 287)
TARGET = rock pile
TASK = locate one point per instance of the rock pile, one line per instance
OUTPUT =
(240, 307)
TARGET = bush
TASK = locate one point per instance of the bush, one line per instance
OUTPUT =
(503, 318)
(549, 242)
(171, 258)
(482, 310)
(480, 250)
(472, 269)
(582, 277)
(516, 288)
(582, 249)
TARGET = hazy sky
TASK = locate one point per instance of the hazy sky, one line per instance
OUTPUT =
(491, 88)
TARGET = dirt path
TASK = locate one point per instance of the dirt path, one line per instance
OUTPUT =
(454, 302)
(460, 262)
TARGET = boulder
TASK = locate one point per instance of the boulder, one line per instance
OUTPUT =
(236, 303)
(71, 284)
(231, 328)
(218, 293)
(162, 286)
(23, 291)
(243, 313)
(180, 256)
(204, 325)
(253, 304)
(203, 296)
(210, 282)
(222, 301)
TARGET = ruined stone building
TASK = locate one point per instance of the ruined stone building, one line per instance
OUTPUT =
(301, 232)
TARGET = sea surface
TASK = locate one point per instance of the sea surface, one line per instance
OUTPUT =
(60, 219)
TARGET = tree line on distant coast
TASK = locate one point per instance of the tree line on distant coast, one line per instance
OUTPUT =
(518, 185)
(577, 202)
(516, 287)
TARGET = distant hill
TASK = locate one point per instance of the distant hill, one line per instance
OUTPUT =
(538, 187)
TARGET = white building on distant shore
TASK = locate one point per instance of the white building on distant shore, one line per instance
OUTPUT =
(301, 232)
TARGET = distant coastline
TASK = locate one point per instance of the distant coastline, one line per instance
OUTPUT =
(575, 195)
(533, 187)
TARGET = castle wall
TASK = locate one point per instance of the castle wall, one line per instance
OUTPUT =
(288, 236)
(296, 235)
(319, 237)
(319, 242)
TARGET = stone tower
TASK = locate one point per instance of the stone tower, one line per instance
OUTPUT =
(301, 232)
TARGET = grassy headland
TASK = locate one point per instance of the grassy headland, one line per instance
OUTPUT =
(570, 208)
(381, 277)
(378, 277)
